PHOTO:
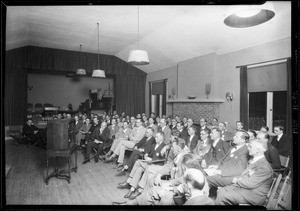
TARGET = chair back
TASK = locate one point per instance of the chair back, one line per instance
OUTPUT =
(285, 194)
(57, 134)
(284, 160)
(272, 192)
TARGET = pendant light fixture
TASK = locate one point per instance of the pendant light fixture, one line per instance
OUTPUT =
(243, 16)
(138, 57)
(80, 71)
(98, 73)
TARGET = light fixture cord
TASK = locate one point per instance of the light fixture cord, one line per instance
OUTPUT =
(98, 45)
(80, 54)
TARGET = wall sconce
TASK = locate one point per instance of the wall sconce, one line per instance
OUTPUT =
(229, 96)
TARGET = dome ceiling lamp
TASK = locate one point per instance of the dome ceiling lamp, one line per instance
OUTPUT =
(80, 71)
(138, 57)
(98, 73)
(249, 15)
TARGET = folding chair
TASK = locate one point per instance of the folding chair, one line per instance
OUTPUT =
(284, 170)
(272, 192)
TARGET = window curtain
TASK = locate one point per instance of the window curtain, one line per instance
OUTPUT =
(15, 96)
(244, 104)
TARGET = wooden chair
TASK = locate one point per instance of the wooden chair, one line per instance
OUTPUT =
(284, 170)
(285, 194)
(272, 192)
(58, 145)
(16, 133)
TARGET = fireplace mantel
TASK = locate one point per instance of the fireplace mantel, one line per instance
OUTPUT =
(196, 101)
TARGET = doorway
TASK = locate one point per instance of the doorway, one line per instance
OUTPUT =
(157, 94)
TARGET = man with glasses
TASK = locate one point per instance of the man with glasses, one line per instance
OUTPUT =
(252, 186)
(281, 142)
(182, 131)
(203, 146)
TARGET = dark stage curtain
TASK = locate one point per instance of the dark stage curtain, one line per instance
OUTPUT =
(15, 96)
(130, 81)
(244, 109)
(130, 94)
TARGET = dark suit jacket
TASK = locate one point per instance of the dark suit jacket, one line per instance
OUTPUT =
(155, 154)
(200, 200)
(193, 143)
(218, 152)
(233, 164)
(93, 127)
(167, 132)
(272, 157)
(146, 145)
(283, 145)
(29, 130)
(184, 135)
(255, 181)
(100, 137)
(77, 126)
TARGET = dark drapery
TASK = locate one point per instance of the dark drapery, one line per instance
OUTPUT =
(130, 94)
(244, 108)
(130, 81)
(15, 96)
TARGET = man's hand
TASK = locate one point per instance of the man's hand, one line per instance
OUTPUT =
(141, 149)
(135, 147)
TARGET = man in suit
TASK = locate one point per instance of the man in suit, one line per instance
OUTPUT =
(135, 136)
(98, 139)
(182, 131)
(141, 165)
(139, 150)
(113, 128)
(226, 135)
(83, 131)
(94, 125)
(203, 126)
(252, 186)
(204, 145)
(271, 154)
(239, 125)
(166, 130)
(123, 134)
(78, 124)
(232, 164)
(194, 182)
(193, 138)
(281, 142)
(219, 147)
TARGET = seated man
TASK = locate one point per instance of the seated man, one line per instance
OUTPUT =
(271, 154)
(193, 138)
(135, 136)
(194, 182)
(139, 150)
(204, 145)
(219, 148)
(252, 186)
(95, 124)
(83, 131)
(31, 131)
(141, 165)
(232, 164)
(281, 142)
(98, 139)
(123, 134)
(165, 129)
(113, 128)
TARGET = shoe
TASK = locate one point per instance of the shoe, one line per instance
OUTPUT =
(118, 166)
(134, 195)
(121, 173)
(120, 183)
(102, 157)
(119, 203)
(96, 160)
(108, 160)
(128, 194)
(123, 186)
(86, 161)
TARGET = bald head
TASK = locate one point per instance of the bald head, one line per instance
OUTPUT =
(195, 178)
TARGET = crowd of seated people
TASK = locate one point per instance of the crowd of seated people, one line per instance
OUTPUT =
(166, 158)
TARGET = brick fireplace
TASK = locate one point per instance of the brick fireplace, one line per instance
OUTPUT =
(197, 109)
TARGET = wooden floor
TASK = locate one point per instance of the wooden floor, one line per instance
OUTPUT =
(93, 184)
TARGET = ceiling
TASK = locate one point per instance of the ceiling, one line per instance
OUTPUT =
(170, 34)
